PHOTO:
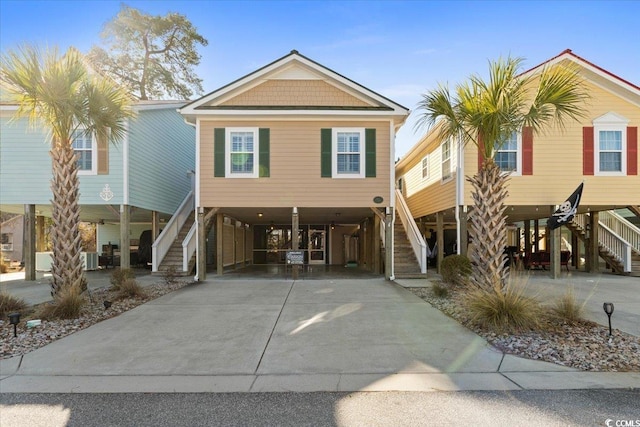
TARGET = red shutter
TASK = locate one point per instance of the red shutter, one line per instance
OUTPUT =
(480, 152)
(632, 151)
(527, 150)
(587, 151)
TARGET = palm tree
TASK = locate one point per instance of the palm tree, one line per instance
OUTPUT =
(61, 94)
(487, 113)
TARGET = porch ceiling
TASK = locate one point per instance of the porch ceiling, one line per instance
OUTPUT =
(520, 213)
(305, 215)
(93, 213)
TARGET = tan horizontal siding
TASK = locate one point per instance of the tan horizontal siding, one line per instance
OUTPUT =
(294, 168)
(557, 163)
(434, 198)
(296, 92)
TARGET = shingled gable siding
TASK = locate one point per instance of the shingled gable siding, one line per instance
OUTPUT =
(295, 93)
(263, 154)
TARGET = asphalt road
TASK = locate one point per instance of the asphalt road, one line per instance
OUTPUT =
(519, 408)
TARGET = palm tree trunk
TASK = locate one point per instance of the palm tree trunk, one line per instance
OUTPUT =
(67, 268)
(487, 227)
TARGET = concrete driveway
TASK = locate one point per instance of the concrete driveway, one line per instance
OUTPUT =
(277, 335)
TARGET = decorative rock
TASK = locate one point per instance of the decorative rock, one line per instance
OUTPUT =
(581, 345)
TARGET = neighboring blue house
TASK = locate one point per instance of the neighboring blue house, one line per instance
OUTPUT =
(126, 188)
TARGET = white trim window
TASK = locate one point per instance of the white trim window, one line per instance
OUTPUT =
(508, 157)
(610, 144)
(242, 148)
(446, 149)
(348, 148)
(425, 167)
(87, 151)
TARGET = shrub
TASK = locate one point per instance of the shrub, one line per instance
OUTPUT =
(567, 308)
(67, 305)
(131, 289)
(9, 304)
(455, 269)
(120, 275)
(439, 290)
(504, 310)
(3, 267)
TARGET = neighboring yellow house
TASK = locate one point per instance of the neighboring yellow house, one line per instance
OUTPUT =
(294, 142)
(601, 151)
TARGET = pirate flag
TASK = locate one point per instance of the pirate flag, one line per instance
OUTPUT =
(567, 210)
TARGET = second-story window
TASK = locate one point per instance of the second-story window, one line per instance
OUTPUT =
(506, 156)
(242, 152)
(349, 149)
(446, 159)
(83, 146)
(425, 167)
(610, 150)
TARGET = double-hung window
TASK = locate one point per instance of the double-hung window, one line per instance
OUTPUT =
(508, 155)
(446, 159)
(86, 151)
(242, 152)
(610, 150)
(610, 137)
(425, 167)
(348, 147)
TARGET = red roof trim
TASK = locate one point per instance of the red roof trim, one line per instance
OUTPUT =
(569, 52)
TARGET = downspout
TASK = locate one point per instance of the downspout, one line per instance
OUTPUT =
(459, 192)
(125, 164)
(197, 191)
(392, 198)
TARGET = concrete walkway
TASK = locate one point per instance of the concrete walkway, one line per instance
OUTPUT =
(279, 335)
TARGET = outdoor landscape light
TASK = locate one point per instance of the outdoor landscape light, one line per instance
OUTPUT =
(14, 319)
(106, 304)
(608, 308)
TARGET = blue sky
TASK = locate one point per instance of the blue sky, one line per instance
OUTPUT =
(399, 49)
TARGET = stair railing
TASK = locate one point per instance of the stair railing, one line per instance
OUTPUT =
(171, 230)
(623, 228)
(418, 244)
(618, 247)
(189, 247)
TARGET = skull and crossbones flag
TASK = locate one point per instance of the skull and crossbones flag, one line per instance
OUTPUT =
(567, 210)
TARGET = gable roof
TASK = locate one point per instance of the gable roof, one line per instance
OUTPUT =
(295, 66)
(594, 73)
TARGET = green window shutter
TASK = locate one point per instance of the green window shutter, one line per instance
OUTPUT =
(263, 165)
(218, 152)
(370, 152)
(325, 156)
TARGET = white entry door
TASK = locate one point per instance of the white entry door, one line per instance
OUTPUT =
(317, 243)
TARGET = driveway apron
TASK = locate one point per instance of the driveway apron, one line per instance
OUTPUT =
(264, 327)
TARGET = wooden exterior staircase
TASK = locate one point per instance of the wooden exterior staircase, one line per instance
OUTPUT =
(612, 259)
(174, 256)
(406, 264)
